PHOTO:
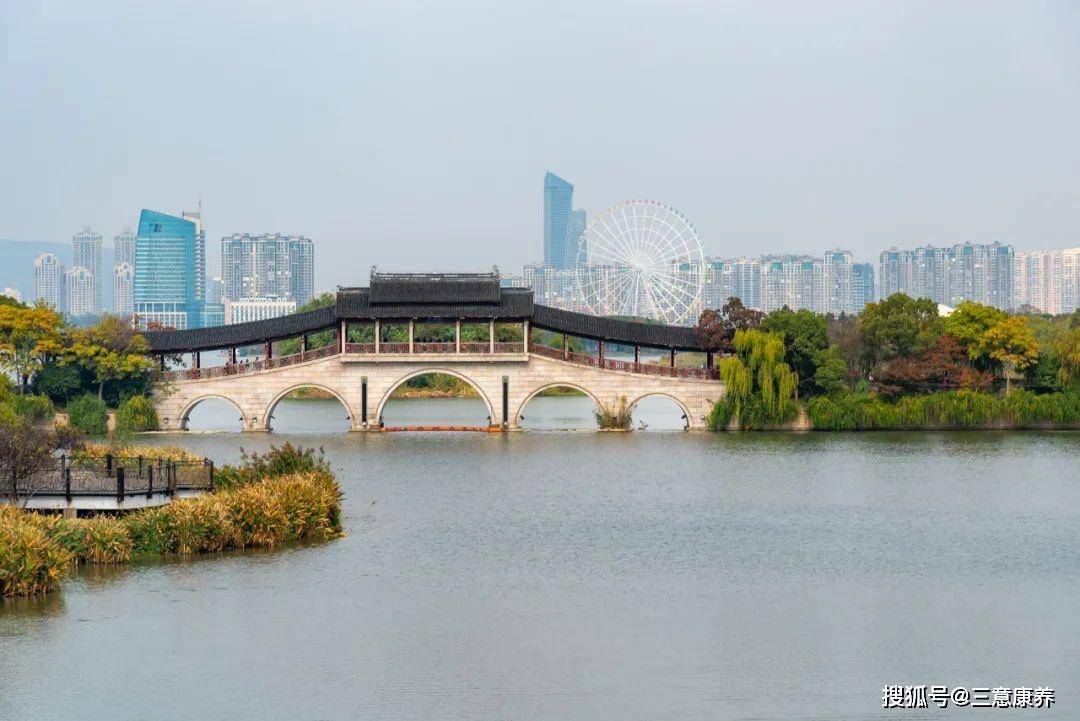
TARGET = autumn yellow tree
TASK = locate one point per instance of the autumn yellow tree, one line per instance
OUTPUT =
(29, 335)
(1011, 343)
(111, 350)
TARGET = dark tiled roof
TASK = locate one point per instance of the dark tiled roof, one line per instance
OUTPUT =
(356, 304)
(239, 334)
(510, 303)
(434, 288)
(615, 330)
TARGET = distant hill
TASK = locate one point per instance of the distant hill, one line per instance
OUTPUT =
(17, 266)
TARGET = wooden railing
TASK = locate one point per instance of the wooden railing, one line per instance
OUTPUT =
(622, 365)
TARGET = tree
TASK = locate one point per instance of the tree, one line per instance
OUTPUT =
(110, 350)
(1068, 351)
(58, 382)
(28, 336)
(831, 376)
(804, 337)
(969, 322)
(943, 367)
(846, 337)
(1012, 344)
(716, 329)
(315, 340)
(25, 450)
(898, 326)
(760, 386)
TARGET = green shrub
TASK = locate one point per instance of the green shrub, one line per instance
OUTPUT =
(136, 415)
(89, 415)
(33, 409)
(278, 461)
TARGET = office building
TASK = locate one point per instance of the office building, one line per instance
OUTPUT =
(838, 278)
(170, 277)
(563, 225)
(86, 247)
(49, 281)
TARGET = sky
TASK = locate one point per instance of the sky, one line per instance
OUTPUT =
(415, 136)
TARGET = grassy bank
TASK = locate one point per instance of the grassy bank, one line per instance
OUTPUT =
(954, 409)
(285, 496)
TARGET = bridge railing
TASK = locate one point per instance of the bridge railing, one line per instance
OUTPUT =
(470, 347)
(622, 365)
(108, 476)
(251, 366)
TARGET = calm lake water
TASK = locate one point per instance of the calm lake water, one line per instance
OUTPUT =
(571, 575)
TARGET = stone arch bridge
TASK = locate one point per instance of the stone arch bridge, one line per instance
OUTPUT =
(374, 339)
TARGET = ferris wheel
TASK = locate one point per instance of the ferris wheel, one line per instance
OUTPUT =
(643, 259)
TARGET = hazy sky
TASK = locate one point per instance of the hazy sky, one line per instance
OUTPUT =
(416, 135)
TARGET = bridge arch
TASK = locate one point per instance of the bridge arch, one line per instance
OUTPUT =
(269, 412)
(664, 394)
(557, 384)
(430, 371)
(182, 421)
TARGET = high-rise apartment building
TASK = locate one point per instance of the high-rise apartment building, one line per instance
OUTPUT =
(170, 280)
(124, 247)
(268, 266)
(838, 279)
(86, 247)
(862, 285)
(79, 283)
(981, 273)
(49, 281)
(1047, 281)
(124, 289)
(563, 225)
(795, 281)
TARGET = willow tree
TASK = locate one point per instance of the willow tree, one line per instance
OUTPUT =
(760, 387)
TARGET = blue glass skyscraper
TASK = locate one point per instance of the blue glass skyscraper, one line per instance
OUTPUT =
(558, 202)
(169, 271)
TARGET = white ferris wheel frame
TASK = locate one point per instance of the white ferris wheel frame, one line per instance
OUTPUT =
(629, 258)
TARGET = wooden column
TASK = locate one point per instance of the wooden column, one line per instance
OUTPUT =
(196, 359)
(673, 358)
(565, 347)
(378, 331)
(268, 347)
(708, 360)
(232, 356)
(162, 362)
(525, 336)
(491, 336)
(637, 354)
(410, 335)
(457, 335)
(343, 336)
(600, 350)
(303, 343)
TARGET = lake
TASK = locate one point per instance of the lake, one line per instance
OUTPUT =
(581, 575)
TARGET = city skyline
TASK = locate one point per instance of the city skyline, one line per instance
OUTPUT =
(858, 126)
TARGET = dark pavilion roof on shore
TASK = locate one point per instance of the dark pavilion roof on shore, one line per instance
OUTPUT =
(470, 297)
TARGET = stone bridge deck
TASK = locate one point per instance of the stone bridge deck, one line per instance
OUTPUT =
(503, 374)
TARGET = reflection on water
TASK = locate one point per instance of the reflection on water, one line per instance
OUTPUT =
(315, 416)
(594, 576)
